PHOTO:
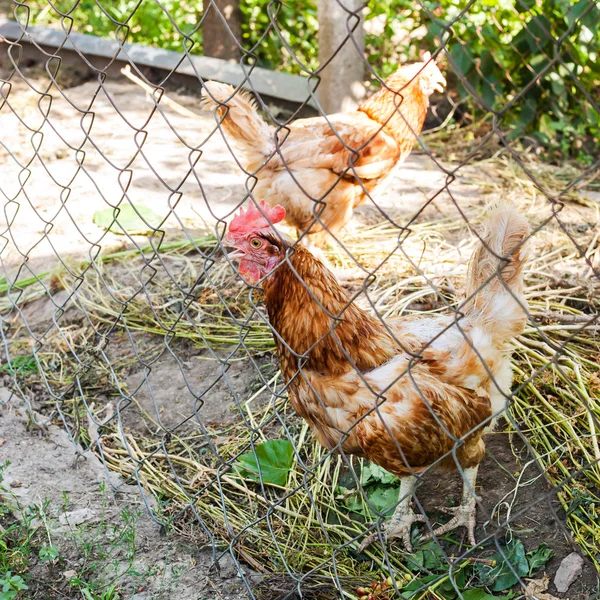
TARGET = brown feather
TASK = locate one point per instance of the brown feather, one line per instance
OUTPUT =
(411, 392)
(327, 167)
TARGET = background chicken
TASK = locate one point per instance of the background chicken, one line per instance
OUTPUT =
(405, 393)
(327, 166)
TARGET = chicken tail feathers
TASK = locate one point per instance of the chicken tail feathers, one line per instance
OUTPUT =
(240, 121)
(495, 279)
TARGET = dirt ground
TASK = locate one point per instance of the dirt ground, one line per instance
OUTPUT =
(44, 180)
(512, 482)
(46, 469)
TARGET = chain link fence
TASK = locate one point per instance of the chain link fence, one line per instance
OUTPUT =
(123, 320)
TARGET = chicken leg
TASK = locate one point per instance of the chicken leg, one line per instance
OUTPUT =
(465, 514)
(400, 525)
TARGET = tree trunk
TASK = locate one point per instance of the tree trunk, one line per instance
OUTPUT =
(341, 86)
(220, 39)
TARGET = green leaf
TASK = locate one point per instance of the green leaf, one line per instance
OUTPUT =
(545, 126)
(487, 65)
(417, 584)
(372, 472)
(269, 462)
(382, 498)
(48, 553)
(539, 557)
(592, 14)
(416, 561)
(462, 57)
(24, 364)
(477, 594)
(540, 32)
(525, 5)
(528, 112)
(128, 219)
(501, 576)
(488, 94)
(433, 557)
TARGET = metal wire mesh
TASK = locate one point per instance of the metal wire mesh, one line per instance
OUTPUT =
(133, 330)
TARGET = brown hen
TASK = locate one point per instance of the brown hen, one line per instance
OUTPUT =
(408, 393)
(320, 169)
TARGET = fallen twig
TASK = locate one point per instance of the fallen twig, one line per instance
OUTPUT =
(184, 112)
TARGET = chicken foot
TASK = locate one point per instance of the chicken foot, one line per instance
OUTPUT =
(400, 525)
(465, 514)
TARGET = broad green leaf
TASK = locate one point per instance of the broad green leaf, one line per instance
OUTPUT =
(270, 462)
(487, 65)
(539, 28)
(128, 219)
(587, 12)
(382, 498)
(528, 112)
(434, 557)
(416, 561)
(501, 577)
(462, 57)
(488, 94)
(538, 557)
(372, 472)
(546, 125)
(417, 584)
(525, 5)
(477, 594)
(353, 502)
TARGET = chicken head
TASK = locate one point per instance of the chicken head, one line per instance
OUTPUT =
(250, 233)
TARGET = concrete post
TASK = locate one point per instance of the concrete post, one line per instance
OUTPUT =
(341, 86)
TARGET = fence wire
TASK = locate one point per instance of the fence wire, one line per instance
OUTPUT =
(122, 319)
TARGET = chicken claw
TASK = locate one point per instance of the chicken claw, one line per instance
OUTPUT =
(400, 525)
(465, 514)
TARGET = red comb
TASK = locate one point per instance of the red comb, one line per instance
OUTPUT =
(253, 219)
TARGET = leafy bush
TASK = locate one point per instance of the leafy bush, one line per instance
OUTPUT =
(147, 23)
(296, 25)
(505, 53)
(496, 49)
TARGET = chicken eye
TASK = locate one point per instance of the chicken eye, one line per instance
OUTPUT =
(256, 243)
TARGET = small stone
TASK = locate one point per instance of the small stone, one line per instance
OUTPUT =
(69, 574)
(570, 569)
(76, 517)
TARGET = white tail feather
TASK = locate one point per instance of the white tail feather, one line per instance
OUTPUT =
(495, 281)
(242, 124)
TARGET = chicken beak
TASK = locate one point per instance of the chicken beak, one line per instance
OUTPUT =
(235, 254)
(440, 85)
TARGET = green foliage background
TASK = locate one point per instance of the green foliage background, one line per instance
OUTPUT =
(499, 46)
